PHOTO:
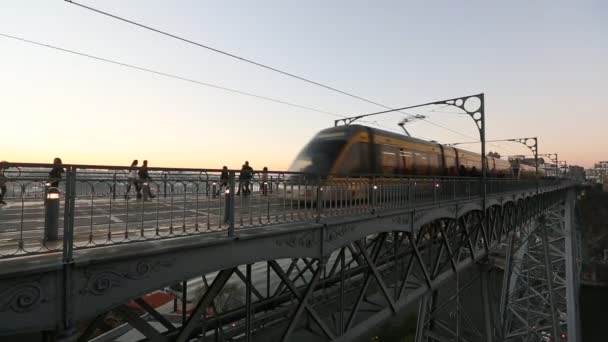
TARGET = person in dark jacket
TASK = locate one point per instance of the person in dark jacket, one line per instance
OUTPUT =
(264, 181)
(241, 180)
(245, 178)
(224, 178)
(56, 173)
(144, 178)
(3, 180)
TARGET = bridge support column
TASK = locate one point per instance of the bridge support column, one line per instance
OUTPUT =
(540, 299)
(571, 252)
(422, 316)
(486, 302)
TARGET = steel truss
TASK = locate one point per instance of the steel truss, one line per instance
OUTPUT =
(540, 290)
(344, 295)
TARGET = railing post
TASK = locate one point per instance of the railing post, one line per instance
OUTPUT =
(435, 186)
(373, 188)
(270, 185)
(68, 214)
(229, 205)
(410, 192)
(164, 185)
(67, 320)
(114, 185)
(319, 199)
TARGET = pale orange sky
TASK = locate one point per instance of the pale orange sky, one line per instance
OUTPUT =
(542, 65)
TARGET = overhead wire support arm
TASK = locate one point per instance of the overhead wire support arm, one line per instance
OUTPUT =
(449, 102)
(472, 105)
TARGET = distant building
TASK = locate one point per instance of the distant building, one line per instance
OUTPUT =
(576, 172)
(599, 172)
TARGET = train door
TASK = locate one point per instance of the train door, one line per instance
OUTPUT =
(389, 159)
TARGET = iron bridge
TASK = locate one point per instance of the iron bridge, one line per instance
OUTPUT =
(300, 258)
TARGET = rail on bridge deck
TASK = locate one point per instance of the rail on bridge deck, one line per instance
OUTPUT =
(89, 245)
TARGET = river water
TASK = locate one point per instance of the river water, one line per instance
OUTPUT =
(594, 314)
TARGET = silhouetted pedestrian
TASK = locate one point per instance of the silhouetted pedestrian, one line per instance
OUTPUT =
(56, 173)
(245, 178)
(224, 178)
(144, 178)
(133, 180)
(241, 180)
(3, 181)
(265, 181)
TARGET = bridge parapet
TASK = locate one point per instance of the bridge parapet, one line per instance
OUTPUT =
(95, 206)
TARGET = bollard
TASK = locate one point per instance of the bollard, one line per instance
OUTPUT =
(227, 206)
(214, 190)
(146, 190)
(51, 214)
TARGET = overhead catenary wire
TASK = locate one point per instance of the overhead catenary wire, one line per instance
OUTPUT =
(246, 60)
(164, 74)
(229, 54)
(259, 64)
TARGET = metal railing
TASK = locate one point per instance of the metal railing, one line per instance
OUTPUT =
(100, 205)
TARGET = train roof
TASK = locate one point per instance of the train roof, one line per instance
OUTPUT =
(353, 129)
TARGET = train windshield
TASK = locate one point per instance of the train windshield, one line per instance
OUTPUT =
(318, 156)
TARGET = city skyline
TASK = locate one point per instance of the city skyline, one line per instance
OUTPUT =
(541, 67)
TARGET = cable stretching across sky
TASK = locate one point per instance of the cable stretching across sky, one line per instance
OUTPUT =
(246, 60)
(160, 73)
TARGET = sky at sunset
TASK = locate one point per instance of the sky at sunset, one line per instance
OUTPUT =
(543, 66)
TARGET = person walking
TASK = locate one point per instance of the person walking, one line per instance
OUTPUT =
(265, 181)
(3, 181)
(144, 178)
(133, 180)
(56, 173)
(224, 178)
(248, 175)
(241, 181)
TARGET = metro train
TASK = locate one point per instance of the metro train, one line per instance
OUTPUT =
(362, 150)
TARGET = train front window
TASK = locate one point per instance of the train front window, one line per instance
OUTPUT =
(318, 156)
